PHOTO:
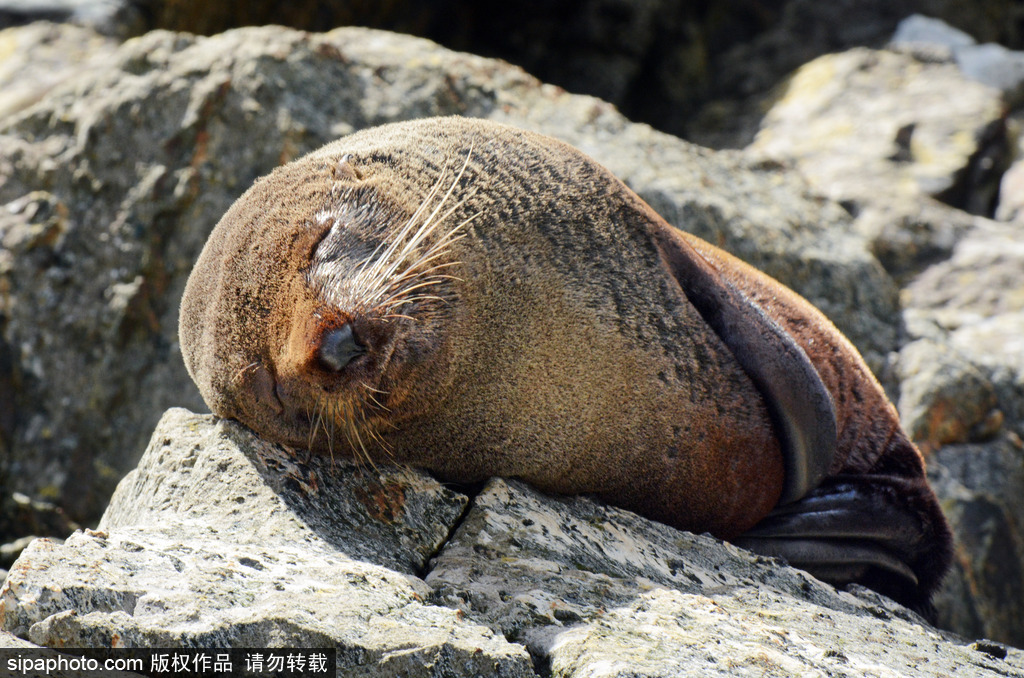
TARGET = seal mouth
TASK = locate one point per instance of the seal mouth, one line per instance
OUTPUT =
(322, 390)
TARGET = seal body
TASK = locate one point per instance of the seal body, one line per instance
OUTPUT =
(478, 300)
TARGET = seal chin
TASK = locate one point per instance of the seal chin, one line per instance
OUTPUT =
(316, 409)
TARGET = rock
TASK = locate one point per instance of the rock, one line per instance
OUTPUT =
(697, 70)
(962, 384)
(918, 29)
(990, 64)
(995, 66)
(743, 72)
(110, 183)
(1011, 186)
(944, 398)
(870, 126)
(980, 486)
(1011, 194)
(909, 236)
(9, 640)
(211, 543)
(219, 539)
(41, 56)
(167, 482)
(973, 294)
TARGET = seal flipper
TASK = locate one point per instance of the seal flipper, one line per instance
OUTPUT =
(798, 401)
(885, 532)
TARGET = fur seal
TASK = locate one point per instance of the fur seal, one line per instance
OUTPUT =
(478, 300)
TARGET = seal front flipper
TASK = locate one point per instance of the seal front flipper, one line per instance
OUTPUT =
(798, 401)
(882, 531)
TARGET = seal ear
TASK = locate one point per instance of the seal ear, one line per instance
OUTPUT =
(797, 400)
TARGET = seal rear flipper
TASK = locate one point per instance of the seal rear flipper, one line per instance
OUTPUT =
(884, 532)
(798, 401)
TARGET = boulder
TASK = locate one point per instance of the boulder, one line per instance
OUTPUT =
(875, 126)
(220, 539)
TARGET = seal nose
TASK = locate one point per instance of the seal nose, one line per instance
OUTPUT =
(338, 348)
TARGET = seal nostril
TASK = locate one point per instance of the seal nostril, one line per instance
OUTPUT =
(338, 348)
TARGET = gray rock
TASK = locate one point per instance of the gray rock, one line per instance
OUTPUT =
(967, 295)
(944, 398)
(918, 29)
(402, 517)
(698, 70)
(219, 539)
(980, 485)
(9, 640)
(1011, 191)
(209, 544)
(909, 236)
(995, 66)
(991, 64)
(111, 182)
(41, 56)
(962, 383)
(15, 649)
(868, 127)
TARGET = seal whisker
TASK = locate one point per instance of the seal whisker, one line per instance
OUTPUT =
(427, 229)
(398, 303)
(405, 291)
(394, 268)
(399, 283)
(312, 427)
(240, 373)
(379, 391)
(335, 411)
(403, 246)
(371, 398)
(377, 270)
(451, 189)
(416, 272)
(354, 428)
(385, 448)
(431, 222)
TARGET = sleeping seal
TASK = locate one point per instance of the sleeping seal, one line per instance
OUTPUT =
(477, 300)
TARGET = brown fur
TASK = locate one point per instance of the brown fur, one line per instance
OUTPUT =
(560, 350)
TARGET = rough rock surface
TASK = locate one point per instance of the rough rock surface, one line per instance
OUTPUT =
(962, 385)
(111, 183)
(219, 539)
(871, 125)
(37, 58)
(211, 542)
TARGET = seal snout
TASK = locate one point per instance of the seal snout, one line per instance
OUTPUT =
(338, 347)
